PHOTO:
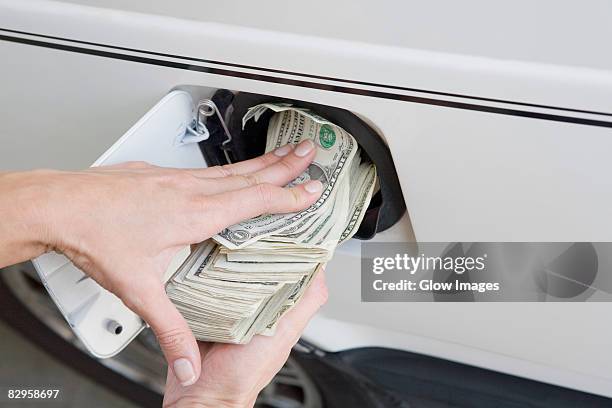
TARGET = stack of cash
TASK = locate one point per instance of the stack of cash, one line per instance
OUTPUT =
(243, 280)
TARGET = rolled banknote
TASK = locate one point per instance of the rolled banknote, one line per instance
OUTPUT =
(242, 281)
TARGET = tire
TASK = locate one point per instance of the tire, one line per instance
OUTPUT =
(138, 372)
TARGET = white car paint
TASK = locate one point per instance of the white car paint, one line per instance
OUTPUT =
(466, 175)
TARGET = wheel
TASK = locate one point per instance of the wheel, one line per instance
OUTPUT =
(138, 373)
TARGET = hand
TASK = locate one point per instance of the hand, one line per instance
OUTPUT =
(123, 224)
(233, 374)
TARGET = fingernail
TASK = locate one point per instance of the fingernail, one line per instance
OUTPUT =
(313, 186)
(304, 148)
(283, 150)
(184, 372)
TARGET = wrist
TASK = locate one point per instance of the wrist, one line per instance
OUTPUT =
(24, 201)
(204, 401)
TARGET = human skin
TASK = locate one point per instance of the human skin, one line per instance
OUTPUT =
(123, 224)
(234, 374)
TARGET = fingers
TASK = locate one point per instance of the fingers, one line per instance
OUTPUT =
(275, 349)
(244, 167)
(232, 207)
(290, 328)
(173, 334)
(293, 323)
(278, 173)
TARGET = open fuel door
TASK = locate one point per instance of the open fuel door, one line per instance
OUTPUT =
(178, 133)
(100, 320)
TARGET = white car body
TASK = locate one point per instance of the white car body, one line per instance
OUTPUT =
(498, 116)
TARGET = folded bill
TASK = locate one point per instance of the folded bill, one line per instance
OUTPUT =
(242, 281)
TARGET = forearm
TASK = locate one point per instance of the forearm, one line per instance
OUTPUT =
(22, 216)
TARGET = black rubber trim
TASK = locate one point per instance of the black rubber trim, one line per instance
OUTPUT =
(212, 148)
(388, 205)
(416, 381)
(309, 84)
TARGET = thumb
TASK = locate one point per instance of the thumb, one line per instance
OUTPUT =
(173, 334)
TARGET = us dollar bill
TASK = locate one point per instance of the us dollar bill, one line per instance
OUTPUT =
(243, 281)
(360, 198)
(335, 151)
